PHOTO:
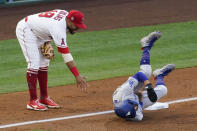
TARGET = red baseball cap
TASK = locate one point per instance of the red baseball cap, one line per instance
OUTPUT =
(77, 18)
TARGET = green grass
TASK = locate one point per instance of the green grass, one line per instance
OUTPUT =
(104, 54)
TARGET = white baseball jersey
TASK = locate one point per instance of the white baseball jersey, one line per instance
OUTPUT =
(36, 29)
(50, 25)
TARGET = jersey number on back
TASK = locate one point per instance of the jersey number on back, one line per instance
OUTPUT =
(48, 14)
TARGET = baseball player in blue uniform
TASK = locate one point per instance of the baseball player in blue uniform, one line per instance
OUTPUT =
(137, 92)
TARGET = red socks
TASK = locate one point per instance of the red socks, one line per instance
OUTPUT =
(32, 83)
(42, 76)
(43, 79)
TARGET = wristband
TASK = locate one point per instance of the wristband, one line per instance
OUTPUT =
(63, 50)
(74, 71)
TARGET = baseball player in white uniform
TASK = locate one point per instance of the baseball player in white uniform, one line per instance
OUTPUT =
(131, 98)
(32, 32)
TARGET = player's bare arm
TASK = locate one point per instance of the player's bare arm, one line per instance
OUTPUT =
(80, 80)
(68, 59)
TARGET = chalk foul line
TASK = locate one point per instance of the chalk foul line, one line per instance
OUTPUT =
(82, 115)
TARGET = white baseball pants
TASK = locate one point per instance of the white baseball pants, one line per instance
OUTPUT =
(30, 45)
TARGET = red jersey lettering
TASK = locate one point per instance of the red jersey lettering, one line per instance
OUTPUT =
(48, 14)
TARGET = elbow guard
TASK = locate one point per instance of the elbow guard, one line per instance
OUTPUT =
(151, 93)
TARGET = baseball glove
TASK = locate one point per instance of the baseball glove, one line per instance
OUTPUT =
(47, 50)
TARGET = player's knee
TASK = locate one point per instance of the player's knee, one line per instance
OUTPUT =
(146, 69)
(161, 91)
(164, 90)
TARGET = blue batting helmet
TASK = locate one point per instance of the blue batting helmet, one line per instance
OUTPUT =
(125, 109)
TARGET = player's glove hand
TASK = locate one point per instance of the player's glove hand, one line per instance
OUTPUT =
(47, 50)
(151, 93)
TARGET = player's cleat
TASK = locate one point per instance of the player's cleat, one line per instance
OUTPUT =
(36, 105)
(49, 103)
(148, 41)
(164, 71)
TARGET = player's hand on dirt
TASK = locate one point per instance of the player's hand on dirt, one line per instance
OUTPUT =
(81, 82)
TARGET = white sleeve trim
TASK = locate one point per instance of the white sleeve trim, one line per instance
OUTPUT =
(67, 57)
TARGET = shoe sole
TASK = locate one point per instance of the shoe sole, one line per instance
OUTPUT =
(155, 74)
(31, 108)
(146, 37)
(53, 107)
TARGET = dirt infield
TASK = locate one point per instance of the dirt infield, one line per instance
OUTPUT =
(106, 14)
